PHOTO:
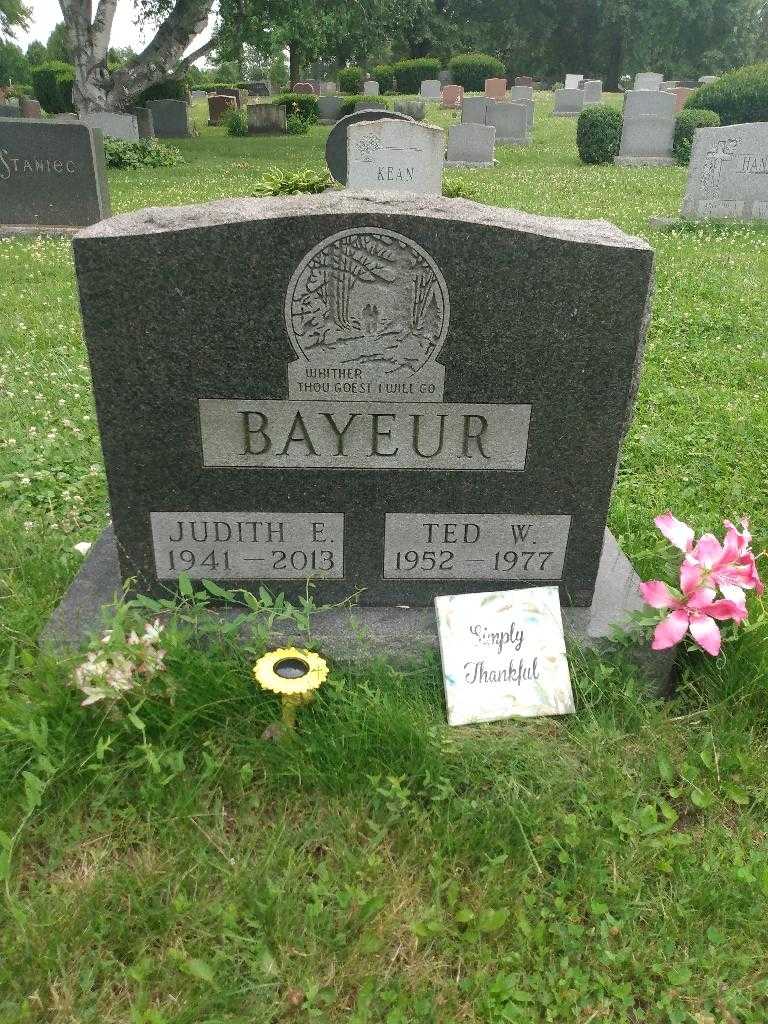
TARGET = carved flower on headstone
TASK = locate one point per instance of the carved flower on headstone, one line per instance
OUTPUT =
(367, 147)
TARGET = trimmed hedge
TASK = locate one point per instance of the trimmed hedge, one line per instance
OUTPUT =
(409, 74)
(384, 74)
(303, 103)
(736, 97)
(53, 83)
(598, 134)
(686, 123)
(472, 69)
(170, 89)
(350, 80)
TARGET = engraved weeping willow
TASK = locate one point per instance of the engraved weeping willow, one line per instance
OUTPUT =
(369, 297)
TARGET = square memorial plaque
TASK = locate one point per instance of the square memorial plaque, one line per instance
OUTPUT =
(391, 394)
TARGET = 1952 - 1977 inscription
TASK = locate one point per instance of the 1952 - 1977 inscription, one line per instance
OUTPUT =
(363, 435)
(248, 545)
(447, 546)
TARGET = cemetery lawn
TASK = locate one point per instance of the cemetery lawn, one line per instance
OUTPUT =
(380, 867)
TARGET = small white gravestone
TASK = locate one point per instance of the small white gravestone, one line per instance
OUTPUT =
(370, 88)
(430, 89)
(503, 655)
(395, 156)
(572, 81)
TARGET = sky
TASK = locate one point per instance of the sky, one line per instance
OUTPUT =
(46, 13)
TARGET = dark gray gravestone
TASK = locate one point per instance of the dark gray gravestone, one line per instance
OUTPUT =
(336, 143)
(170, 118)
(145, 122)
(9, 110)
(51, 175)
(366, 413)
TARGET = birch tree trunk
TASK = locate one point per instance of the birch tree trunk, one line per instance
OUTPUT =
(95, 88)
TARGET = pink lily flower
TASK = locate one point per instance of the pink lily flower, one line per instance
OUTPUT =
(677, 533)
(696, 611)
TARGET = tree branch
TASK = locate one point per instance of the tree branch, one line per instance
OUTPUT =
(197, 54)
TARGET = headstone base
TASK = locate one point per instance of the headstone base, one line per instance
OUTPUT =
(467, 163)
(48, 230)
(566, 113)
(645, 161)
(397, 633)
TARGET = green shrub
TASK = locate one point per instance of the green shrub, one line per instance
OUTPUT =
(303, 103)
(374, 101)
(351, 80)
(737, 97)
(348, 105)
(215, 86)
(53, 82)
(598, 134)
(472, 69)
(170, 89)
(19, 91)
(235, 120)
(297, 124)
(686, 123)
(290, 183)
(144, 153)
(384, 74)
(409, 74)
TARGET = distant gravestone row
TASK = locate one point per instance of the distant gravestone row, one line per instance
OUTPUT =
(512, 121)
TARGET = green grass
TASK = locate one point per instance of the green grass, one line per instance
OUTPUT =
(612, 866)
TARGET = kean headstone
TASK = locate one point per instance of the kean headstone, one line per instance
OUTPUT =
(393, 155)
(266, 119)
(593, 92)
(474, 109)
(648, 80)
(52, 176)
(170, 118)
(471, 145)
(370, 415)
(648, 131)
(573, 81)
(568, 102)
(452, 96)
(728, 173)
(430, 89)
(370, 88)
(511, 123)
(495, 88)
(336, 143)
(114, 125)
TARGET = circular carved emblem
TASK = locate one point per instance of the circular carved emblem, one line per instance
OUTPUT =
(368, 297)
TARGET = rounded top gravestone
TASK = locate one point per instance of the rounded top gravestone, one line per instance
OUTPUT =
(336, 143)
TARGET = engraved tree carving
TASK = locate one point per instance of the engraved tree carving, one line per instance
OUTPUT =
(369, 297)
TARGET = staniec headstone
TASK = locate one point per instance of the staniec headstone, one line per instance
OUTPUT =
(728, 173)
(648, 80)
(471, 145)
(52, 176)
(495, 88)
(371, 415)
(430, 89)
(170, 118)
(568, 102)
(218, 105)
(648, 131)
(452, 96)
(395, 156)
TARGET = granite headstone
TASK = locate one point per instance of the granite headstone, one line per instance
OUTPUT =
(51, 175)
(430, 89)
(328, 108)
(393, 155)
(728, 173)
(336, 143)
(648, 131)
(366, 412)
(495, 88)
(413, 108)
(573, 81)
(170, 118)
(511, 122)
(370, 88)
(524, 94)
(524, 80)
(474, 109)
(114, 125)
(568, 102)
(681, 94)
(648, 80)
(266, 119)
(145, 121)
(218, 105)
(30, 108)
(471, 145)
(305, 87)
(593, 92)
(451, 96)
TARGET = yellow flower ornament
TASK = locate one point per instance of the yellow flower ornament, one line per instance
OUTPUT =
(294, 675)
